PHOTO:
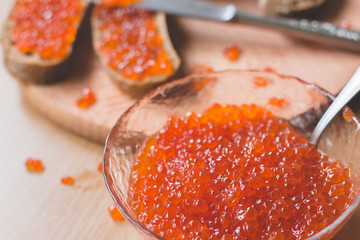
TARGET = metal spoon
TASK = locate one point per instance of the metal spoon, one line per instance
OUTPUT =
(346, 94)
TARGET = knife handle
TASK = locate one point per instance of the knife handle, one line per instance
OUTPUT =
(313, 30)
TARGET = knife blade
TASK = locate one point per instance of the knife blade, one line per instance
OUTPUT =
(321, 32)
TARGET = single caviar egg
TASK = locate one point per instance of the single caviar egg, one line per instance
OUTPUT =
(347, 114)
(87, 98)
(115, 213)
(100, 167)
(260, 81)
(235, 172)
(232, 52)
(46, 27)
(278, 102)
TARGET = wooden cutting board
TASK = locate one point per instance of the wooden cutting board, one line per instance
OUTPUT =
(199, 43)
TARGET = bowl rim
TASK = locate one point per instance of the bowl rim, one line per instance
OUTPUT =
(345, 215)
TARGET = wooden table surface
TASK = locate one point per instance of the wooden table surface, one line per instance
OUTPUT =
(38, 206)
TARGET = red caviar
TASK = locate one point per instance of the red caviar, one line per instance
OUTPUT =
(115, 213)
(88, 98)
(131, 43)
(347, 114)
(278, 102)
(236, 173)
(100, 167)
(119, 3)
(260, 81)
(46, 27)
(67, 180)
(269, 69)
(345, 23)
(232, 52)
(34, 165)
(199, 68)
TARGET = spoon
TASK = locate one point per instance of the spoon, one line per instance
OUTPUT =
(347, 93)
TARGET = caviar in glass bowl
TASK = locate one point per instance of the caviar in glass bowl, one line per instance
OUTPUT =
(224, 168)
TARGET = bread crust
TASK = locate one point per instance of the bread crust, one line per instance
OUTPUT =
(288, 6)
(31, 68)
(130, 85)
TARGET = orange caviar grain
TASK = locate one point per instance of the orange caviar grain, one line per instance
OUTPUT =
(260, 81)
(115, 213)
(347, 114)
(236, 172)
(345, 23)
(34, 165)
(269, 69)
(88, 98)
(67, 180)
(278, 102)
(100, 167)
(118, 3)
(232, 52)
(199, 68)
(45, 27)
(131, 44)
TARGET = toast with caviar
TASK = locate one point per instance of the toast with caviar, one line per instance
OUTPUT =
(133, 46)
(38, 41)
(288, 6)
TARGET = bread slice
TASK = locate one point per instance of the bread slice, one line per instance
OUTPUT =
(142, 85)
(31, 67)
(288, 6)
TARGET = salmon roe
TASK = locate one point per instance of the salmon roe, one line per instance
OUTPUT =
(260, 81)
(278, 102)
(130, 43)
(115, 213)
(345, 23)
(347, 114)
(87, 98)
(269, 69)
(232, 52)
(119, 3)
(34, 165)
(100, 167)
(67, 180)
(236, 173)
(46, 27)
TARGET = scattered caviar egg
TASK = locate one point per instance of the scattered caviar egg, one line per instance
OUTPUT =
(347, 114)
(345, 23)
(87, 98)
(119, 3)
(235, 172)
(232, 52)
(199, 68)
(45, 27)
(131, 44)
(260, 81)
(34, 165)
(115, 213)
(67, 180)
(100, 167)
(269, 69)
(198, 85)
(278, 102)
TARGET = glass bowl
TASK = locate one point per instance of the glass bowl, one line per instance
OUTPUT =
(305, 103)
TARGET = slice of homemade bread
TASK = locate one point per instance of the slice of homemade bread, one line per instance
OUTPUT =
(133, 55)
(27, 55)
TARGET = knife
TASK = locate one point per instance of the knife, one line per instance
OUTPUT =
(321, 32)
